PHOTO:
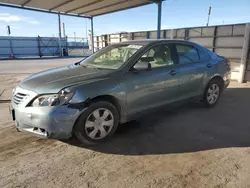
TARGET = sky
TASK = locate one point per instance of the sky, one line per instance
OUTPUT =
(175, 14)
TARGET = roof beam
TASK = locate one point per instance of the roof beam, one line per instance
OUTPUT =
(26, 2)
(88, 4)
(105, 6)
(155, 1)
(61, 4)
(147, 3)
(41, 10)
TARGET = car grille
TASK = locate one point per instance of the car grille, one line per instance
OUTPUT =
(18, 98)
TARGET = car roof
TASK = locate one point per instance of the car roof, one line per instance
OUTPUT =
(155, 41)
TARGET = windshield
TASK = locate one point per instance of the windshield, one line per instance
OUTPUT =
(112, 57)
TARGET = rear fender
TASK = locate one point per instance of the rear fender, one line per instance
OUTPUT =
(215, 76)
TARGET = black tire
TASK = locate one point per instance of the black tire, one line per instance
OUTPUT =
(79, 128)
(206, 93)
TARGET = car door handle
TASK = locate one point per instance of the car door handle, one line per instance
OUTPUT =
(172, 72)
(209, 65)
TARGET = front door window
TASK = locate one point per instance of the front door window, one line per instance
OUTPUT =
(158, 56)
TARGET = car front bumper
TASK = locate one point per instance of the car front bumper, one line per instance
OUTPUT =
(46, 122)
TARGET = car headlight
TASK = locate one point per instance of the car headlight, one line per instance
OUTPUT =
(60, 98)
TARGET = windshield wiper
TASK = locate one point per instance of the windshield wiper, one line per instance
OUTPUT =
(94, 67)
(87, 66)
(77, 63)
(90, 66)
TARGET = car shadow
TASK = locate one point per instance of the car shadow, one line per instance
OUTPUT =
(186, 128)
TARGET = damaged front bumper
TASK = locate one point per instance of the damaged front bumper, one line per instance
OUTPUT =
(46, 122)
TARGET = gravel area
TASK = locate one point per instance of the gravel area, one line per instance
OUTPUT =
(187, 146)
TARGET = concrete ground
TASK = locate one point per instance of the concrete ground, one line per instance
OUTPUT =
(13, 71)
(189, 146)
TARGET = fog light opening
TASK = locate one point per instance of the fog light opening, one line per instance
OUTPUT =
(42, 130)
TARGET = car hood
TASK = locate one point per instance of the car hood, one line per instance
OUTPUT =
(52, 81)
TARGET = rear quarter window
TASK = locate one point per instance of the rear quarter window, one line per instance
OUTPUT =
(187, 53)
(211, 55)
(203, 56)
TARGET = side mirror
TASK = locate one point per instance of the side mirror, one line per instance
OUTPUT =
(142, 65)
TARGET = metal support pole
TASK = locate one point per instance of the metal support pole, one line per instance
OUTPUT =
(214, 38)
(173, 34)
(64, 34)
(148, 34)
(209, 13)
(59, 25)
(39, 46)
(159, 20)
(60, 34)
(244, 55)
(164, 34)
(92, 34)
(11, 49)
(186, 34)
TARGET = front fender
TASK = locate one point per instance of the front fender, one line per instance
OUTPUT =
(86, 92)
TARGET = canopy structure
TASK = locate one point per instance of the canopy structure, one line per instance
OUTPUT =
(81, 8)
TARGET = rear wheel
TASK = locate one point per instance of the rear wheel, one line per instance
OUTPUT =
(97, 123)
(212, 93)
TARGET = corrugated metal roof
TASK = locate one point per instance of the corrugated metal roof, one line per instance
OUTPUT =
(78, 7)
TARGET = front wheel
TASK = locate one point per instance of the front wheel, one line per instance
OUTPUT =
(97, 123)
(212, 93)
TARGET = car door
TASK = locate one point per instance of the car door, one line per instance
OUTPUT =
(155, 86)
(192, 66)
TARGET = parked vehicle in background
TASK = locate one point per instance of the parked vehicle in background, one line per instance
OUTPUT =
(91, 97)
